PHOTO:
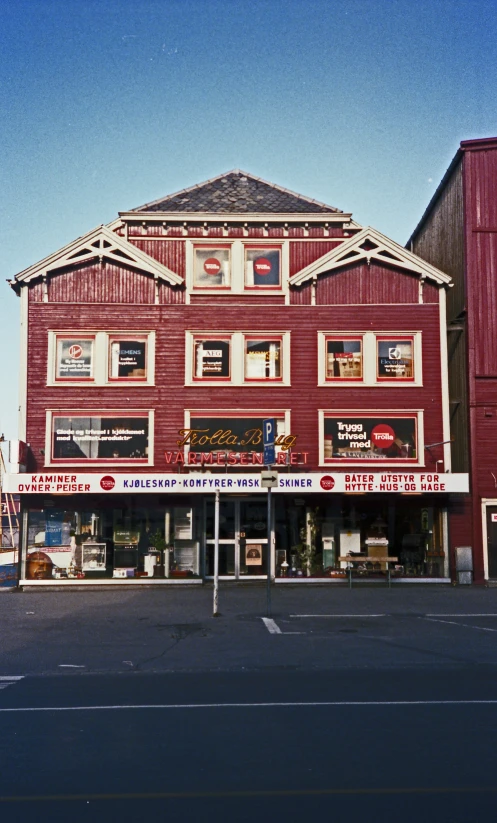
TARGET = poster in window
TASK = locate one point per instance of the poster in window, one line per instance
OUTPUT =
(395, 359)
(74, 358)
(212, 358)
(262, 267)
(211, 267)
(343, 359)
(99, 438)
(253, 554)
(128, 358)
(263, 359)
(370, 438)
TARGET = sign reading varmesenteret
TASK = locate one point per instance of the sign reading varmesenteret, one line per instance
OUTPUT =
(315, 482)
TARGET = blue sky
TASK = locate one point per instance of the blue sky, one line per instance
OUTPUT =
(107, 105)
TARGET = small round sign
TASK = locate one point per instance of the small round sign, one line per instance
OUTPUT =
(212, 265)
(76, 351)
(107, 483)
(382, 436)
(262, 266)
(327, 482)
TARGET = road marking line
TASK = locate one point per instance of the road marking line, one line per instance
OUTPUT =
(70, 666)
(375, 790)
(463, 625)
(271, 626)
(338, 615)
(287, 705)
(489, 614)
(6, 681)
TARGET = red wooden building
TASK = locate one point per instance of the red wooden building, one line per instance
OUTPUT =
(154, 348)
(458, 233)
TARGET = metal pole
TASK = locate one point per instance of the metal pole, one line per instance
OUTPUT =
(269, 552)
(216, 555)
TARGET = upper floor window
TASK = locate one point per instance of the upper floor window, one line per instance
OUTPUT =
(74, 358)
(262, 267)
(236, 266)
(212, 267)
(100, 358)
(370, 358)
(82, 437)
(237, 358)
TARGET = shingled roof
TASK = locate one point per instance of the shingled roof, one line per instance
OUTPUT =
(237, 192)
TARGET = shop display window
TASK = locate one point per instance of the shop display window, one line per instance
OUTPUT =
(212, 360)
(237, 357)
(262, 267)
(127, 358)
(74, 358)
(100, 357)
(113, 438)
(212, 267)
(354, 437)
(370, 359)
(395, 358)
(344, 358)
(263, 358)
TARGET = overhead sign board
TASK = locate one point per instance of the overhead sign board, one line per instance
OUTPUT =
(60, 482)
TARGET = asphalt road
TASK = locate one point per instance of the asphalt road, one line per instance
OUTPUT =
(364, 706)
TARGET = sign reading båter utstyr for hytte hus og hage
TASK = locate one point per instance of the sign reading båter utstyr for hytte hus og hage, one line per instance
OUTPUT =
(201, 483)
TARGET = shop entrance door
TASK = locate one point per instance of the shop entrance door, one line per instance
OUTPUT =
(242, 538)
(492, 541)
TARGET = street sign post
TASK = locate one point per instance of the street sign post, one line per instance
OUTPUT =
(268, 435)
(269, 480)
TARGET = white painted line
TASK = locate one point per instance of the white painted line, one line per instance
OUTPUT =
(289, 705)
(9, 680)
(12, 677)
(271, 626)
(462, 625)
(70, 666)
(338, 615)
(490, 614)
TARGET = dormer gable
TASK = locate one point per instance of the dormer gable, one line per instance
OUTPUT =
(99, 244)
(365, 246)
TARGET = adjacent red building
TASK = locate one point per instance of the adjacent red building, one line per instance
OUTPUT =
(458, 233)
(154, 348)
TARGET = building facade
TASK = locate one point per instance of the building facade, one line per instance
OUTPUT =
(458, 233)
(154, 348)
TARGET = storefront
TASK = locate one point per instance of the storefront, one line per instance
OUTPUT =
(142, 528)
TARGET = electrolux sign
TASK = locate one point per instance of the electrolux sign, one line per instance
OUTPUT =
(197, 483)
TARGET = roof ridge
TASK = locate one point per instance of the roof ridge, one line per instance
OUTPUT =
(238, 171)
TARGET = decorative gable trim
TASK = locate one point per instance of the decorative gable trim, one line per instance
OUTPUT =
(101, 243)
(368, 245)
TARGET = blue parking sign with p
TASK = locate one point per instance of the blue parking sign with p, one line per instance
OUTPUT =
(268, 436)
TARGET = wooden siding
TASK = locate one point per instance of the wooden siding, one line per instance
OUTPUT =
(101, 283)
(482, 299)
(247, 299)
(440, 240)
(365, 284)
(458, 393)
(170, 397)
(170, 253)
(302, 254)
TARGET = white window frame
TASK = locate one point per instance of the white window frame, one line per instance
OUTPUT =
(237, 259)
(402, 465)
(237, 355)
(280, 416)
(101, 358)
(90, 463)
(369, 359)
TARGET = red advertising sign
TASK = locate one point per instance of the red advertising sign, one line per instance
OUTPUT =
(212, 265)
(382, 436)
(262, 266)
(327, 482)
(107, 483)
(75, 351)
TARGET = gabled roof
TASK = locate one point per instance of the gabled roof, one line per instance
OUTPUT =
(236, 192)
(368, 245)
(98, 243)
